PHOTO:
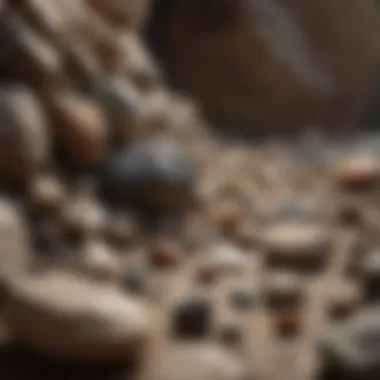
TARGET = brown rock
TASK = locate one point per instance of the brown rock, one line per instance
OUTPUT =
(24, 140)
(259, 56)
(357, 172)
(80, 126)
(165, 253)
(65, 316)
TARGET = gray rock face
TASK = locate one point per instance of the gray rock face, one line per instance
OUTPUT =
(65, 316)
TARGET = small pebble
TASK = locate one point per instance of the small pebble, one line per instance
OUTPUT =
(192, 317)
(288, 324)
(99, 261)
(164, 253)
(120, 230)
(46, 193)
(136, 276)
(230, 334)
(284, 290)
(369, 272)
(344, 299)
(304, 245)
(357, 172)
(243, 298)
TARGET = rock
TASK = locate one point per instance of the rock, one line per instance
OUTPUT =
(227, 258)
(124, 106)
(344, 299)
(192, 317)
(46, 193)
(230, 334)
(244, 298)
(351, 350)
(288, 324)
(121, 229)
(273, 49)
(357, 172)
(24, 139)
(136, 276)
(195, 361)
(297, 244)
(123, 14)
(27, 54)
(369, 272)
(164, 253)
(48, 236)
(298, 209)
(67, 317)
(15, 252)
(84, 217)
(156, 173)
(80, 126)
(99, 261)
(284, 290)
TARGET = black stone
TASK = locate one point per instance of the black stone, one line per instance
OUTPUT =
(192, 317)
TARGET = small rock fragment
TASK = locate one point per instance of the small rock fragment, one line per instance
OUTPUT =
(67, 317)
(288, 323)
(230, 334)
(156, 173)
(343, 300)
(283, 290)
(192, 317)
(136, 275)
(243, 298)
(164, 253)
(369, 272)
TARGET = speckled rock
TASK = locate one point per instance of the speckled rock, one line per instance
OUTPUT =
(66, 316)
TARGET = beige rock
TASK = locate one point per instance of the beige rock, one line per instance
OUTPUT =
(84, 217)
(99, 261)
(358, 171)
(15, 254)
(46, 193)
(80, 126)
(65, 316)
(297, 243)
(24, 139)
(195, 361)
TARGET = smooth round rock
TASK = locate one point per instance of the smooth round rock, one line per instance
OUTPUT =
(297, 244)
(155, 173)
(136, 276)
(230, 334)
(357, 172)
(243, 298)
(192, 317)
(99, 260)
(24, 137)
(344, 299)
(195, 361)
(352, 350)
(164, 253)
(46, 193)
(68, 317)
